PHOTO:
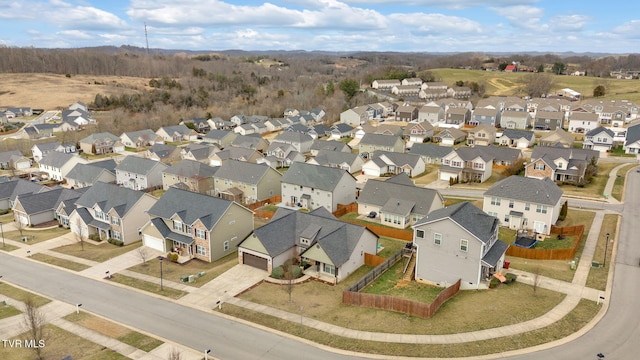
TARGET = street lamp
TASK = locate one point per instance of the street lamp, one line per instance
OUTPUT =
(606, 245)
(206, 354)
(160, 258)
(1, 230)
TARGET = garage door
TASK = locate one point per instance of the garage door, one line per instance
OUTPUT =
(153, 242)
(255, 261)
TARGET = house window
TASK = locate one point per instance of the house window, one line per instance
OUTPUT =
(464, 245)
(116, 235)
(437, 238)
(305, 241)
(541, 209)
(420, 234)
(201, 234)
(539, 166)
(511, 204)
(201, 250)
(527, 206)
(226, 245)
(506, 217)
(456, 164)
(115, 220)
(495, 201)
(329, 269)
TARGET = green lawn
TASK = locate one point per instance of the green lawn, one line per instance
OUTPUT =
(148, 286)
(174, 272)
(597, 278)
(64, 263)
(390, 284)
(8, 311)
(390, 246)
(99, 253)
(618, 185)
(8, 247)
(596, 187)
(22, 295)
(36, 236)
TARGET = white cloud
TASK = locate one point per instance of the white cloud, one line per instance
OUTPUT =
(75, 34)
(421, 23)
(630, 29)
(521, 16)
(568, 22)
(447, 4)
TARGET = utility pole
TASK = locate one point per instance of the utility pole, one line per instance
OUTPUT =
(146, 37)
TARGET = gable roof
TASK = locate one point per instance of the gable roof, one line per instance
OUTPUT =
(330, 145)
(162, 150)
(108, 197)
(380, 140)
(57, 159)
(34, 203)
(314, 176)
(518, 134)
(398, 159)
(558, 135)
(100, 137)
(555, 152)
(89, 172)
(48, 146)
(138, 165)
(469, 217)
(470, 153)
(600, 129)
(292, 137)
(190, 206)
(633, 134)
(430, 150)
(327, 157)
(191, 168)
(146, 134)
(532, 190)
(12, 188)
(399, 188)
(243, 171)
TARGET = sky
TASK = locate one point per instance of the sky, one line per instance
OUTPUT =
(327, 25)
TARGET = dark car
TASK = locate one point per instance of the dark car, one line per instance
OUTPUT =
(372, 215)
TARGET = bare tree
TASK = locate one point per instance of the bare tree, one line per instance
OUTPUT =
(143, 254)
(80, 234)
(174, 354)
(536, 281)
(34, 322)
(19, 226)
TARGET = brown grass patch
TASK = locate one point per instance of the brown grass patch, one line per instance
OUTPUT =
(97, 324)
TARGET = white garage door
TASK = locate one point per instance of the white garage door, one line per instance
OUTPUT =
(153, 242)
(447, 175)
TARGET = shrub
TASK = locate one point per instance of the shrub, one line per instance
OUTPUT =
(511, 277)
(493, 283)
(115, 242)
(277, 273)
(296, 271)
(173, 257)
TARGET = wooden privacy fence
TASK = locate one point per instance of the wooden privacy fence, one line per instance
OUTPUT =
(344, 209)
(552, 254)
(272, 200)
(379, 230)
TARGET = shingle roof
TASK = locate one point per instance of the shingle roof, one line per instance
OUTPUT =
(430, 150)
(555, 152)
(331, 145)
(398, 159)
(190, 207)
(600, 129)
(100, 137)
(399, 188)
(314, 176)
(380, 140)
(109, 196)
(243, 171)
(57, 159)
(292, 136)
(162, 150)
(89, 172)
(470, 153)
(48, 146)
(47, 200)
(138, 165)
(12, 188)
(469, 217)
(633, 134)
(326, 157)
(518, 134)
(190, 168)
(537, 191)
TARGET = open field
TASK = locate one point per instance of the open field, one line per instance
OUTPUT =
(51, 91)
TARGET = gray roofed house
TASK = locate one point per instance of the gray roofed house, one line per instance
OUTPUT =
(221, 137)
(177, 133)
(139, 138)
(312, 186)
(300, 142)
(138, 173)
(502, 156)
(517, 138)
(632, 140)
(410, 203)
(14, 160)
(195, 225)
(338, 159)
(389, 163)
(449, 136)
(101, 143)
(430, 153)
(246, 182)
(334, 248)
(328, 145)
(234, 153)
(39, 151)
(39, 207)
(163, 153)
(466, 164)
(522, 203)
(373, 142)
(108, 211)
(256, 142)
(193, 175)
(9, 190)
(599, 139)
(569, 164)
(83, 175)
(458, 242)
(57, 164)
(199, 152)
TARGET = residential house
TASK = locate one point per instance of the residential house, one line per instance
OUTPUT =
(139, 139)
(39, 151)
(328, 145)
(459, 92)
(198, 152)
(222, 138)
(177, 133)
(83, 175)
(560, 164)
(405, 90)
(191, 175)
(163, 153)
(466, 164)
(340, 130)
(510, 119)
(109, 211)
(321, 130)
(385, 84)
(489, 116)
(522, 203)
(220, 124)
(397, 201)
(417, 132)
(380, 129)
(430, 153)
(632, 140)
(10, 190)
(338, 159)
(520, 139)
(502, 156)
(138, 173)
(412, 81)
(281, 155)
(548, 120)
(256, 142)
(41, 131)
(458, 242)
(384, 163)
(39, 207)
(483, 134)
(14, 160)
(599, 139)
(583, 122)
(333, 249)
(245, 129)
(200, 125)
(312, 186)
(195, 225)
(432, 114)
(234, 153)
(407, 113)
(374, 142)
(356, 116)
(432, 94)
(456, 117)
(57, 164)
(300, 142)
(101, 143)
(558, 137)
(245, 182)
(449, 136)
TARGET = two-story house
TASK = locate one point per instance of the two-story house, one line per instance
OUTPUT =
(558, 137)
(466, 165)
(582, 122)
(312, 186)
(222, 138)
(599, 139)
(430, 153)
(138, 173)
(246, 182)
(520, 139)
(449, 137)
(191, 175)
(195, 225)
(57, 164)
(632, 140)
(483, 134)
(39, 151)
(489, 116)
(140, 138)
(177, 133)
(163, 153)
(101, 143)
(416, 132)
(434, 115)
(548, 120)
(83, 175)
(338, 159)
(110, 212)
(375, 142)
(560, 164)
(510, 119)
(388, 162)
(458, 242)
(522, 203)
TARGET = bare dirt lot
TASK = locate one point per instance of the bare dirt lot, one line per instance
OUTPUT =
(52, 91)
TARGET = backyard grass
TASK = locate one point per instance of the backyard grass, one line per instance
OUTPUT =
(390, 283)
(353, 218)
(64, 263)
(389, 246)
(514, 303)
(566, 326)
(597, 277)
(114, 331)
(8, 311)
(35, 236)
(618, 185)
(148, 286)
(22, 295)
(173, 271)
(60, 343)
(98, 253)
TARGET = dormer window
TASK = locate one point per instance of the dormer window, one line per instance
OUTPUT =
(305, 241)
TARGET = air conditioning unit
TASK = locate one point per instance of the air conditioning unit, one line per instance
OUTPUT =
(192, 278)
